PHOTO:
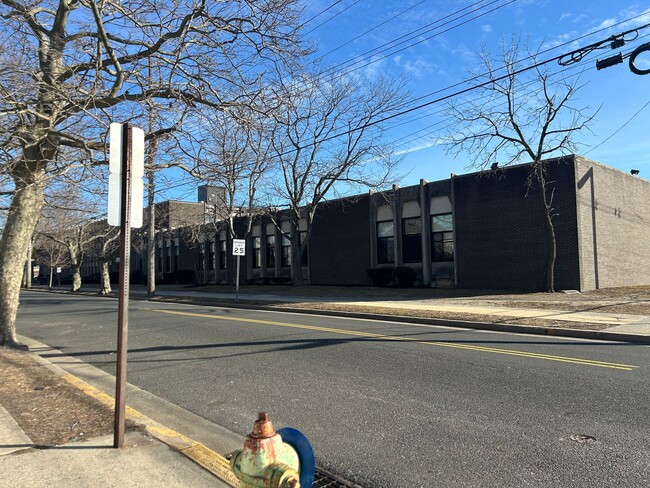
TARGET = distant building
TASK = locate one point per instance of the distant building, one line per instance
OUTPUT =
(482, 230)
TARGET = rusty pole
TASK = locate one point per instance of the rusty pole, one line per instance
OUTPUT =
(123, 299)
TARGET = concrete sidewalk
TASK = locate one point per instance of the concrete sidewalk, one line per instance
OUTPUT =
(142, 462)
(617, 323)
(153, 455)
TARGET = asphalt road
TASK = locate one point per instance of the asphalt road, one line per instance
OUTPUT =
(384, 404)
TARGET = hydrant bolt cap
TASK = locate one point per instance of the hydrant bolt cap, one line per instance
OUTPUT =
(263, 427)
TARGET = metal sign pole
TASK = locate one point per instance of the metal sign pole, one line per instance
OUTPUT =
(123, 301)
(237, 280)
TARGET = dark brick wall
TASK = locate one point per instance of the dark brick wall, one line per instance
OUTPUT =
(339, 247)
(500, 234)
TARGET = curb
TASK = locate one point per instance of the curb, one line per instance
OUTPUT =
(213, 462)
(465, 324)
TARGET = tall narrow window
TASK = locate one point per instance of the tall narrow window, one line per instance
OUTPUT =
(412, 240)
(257, 252)
(222, 255)
(304, 256)
(212, 256)
(286, 251)
(442, 238)
(270, 251)
(177, 252)
(168, 258)
(385, 242)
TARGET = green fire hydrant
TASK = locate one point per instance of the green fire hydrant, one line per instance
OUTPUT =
(266, 461)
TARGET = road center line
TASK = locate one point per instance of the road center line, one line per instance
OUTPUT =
(494, 350)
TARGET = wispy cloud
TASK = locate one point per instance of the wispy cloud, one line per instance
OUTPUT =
(416, 67)
(487, 28)
(418, 147)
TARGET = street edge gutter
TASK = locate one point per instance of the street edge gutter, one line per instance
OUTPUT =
(205, 457)
(465, 324)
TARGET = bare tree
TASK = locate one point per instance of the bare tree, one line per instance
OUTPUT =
(327, 133)
(104, 246)
(49, 253)
(234, 155)
(517, 115)
(69, 67)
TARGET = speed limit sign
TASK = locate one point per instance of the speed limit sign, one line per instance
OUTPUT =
(238, 247)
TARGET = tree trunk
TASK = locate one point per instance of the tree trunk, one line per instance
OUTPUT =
(51, 278)
(19, 227)
(76, 277)
(550, 230)
(296, 256)
(106, 278)
(151, 240)
(29, 270)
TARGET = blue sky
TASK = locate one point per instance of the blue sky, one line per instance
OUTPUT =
(352, 28)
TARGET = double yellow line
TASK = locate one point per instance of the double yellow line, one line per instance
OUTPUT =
(370, 335)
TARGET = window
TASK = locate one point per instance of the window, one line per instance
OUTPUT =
(270, 251)
(286, 251)
(168, 258)
(442, 238)
(412, 240)
(257, 252)
(222, 255)
(303, 256)
(212, 256)
(160, 260)
(385, 242)
(176, 256)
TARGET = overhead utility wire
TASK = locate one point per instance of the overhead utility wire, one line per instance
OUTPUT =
(533, 56)
(321, 13)
(370, 54)
(451, 95)
(331, 69)
(332, 17)
(519, 61)
(343, 73)
(410, 138)
(370, 30)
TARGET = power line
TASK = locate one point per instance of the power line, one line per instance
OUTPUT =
(371, 29)
(321, 13)
(466, 90)
(332, 17)
(446, 97)
(410, 36)
(620, 128)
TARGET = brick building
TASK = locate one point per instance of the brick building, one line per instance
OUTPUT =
(482, 230)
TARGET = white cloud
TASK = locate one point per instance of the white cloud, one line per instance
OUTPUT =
(416, 67)
(487, 28)
(606, 23)
(565, 16)
(419, 147)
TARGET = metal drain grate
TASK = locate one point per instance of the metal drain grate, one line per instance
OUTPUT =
(323, 479)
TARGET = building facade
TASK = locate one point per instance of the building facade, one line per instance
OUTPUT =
(482, 230)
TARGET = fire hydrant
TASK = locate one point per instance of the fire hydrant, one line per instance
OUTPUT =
(266, 461)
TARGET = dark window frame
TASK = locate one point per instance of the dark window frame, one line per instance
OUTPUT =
(411, 241)
(270, 250)
(385, 244)
(257, 252)
(442, 240)
(212, 256)
(285, 252)
(223, 249)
